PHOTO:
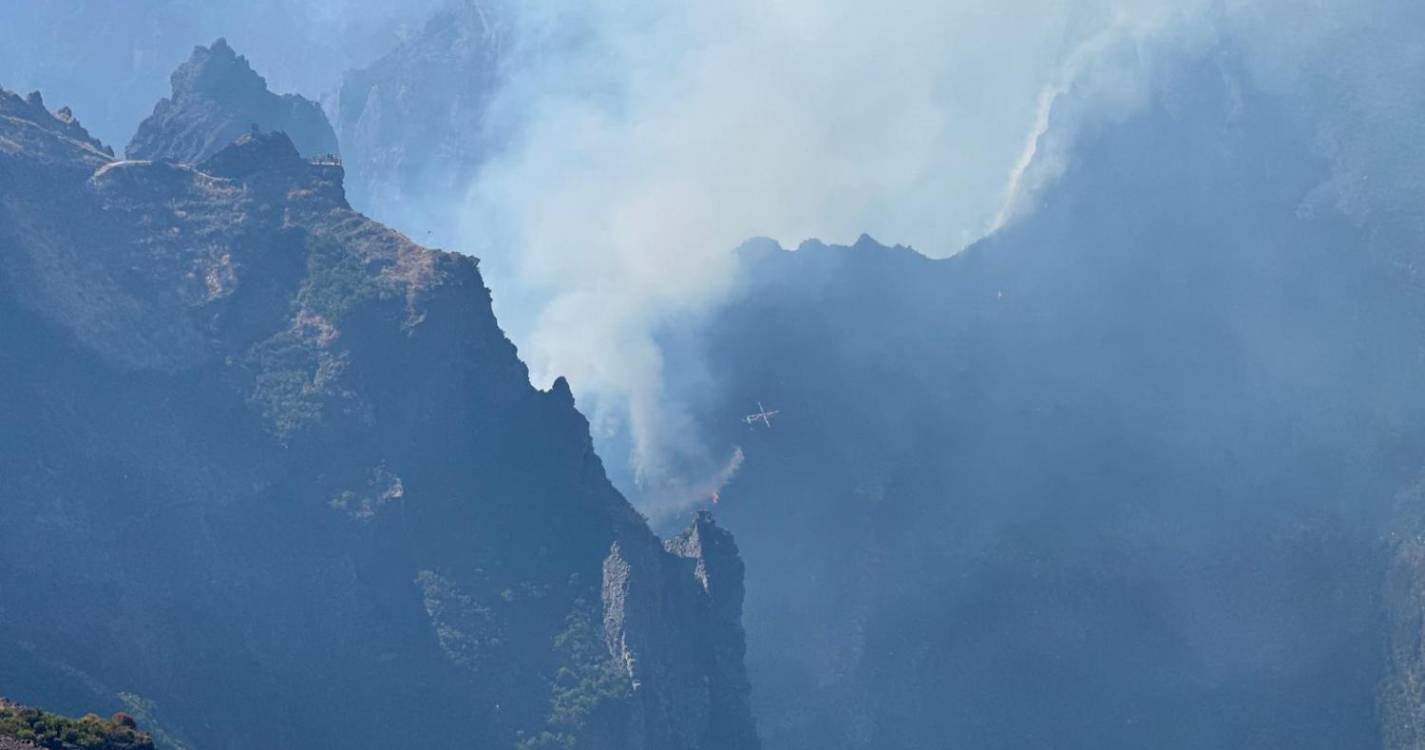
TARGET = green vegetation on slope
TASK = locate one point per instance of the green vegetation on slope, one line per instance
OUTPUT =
(590, 694)
(63, 733)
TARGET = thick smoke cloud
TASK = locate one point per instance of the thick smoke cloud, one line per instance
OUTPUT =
(653, 140)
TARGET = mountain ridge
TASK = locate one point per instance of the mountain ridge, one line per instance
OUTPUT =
(284, 448)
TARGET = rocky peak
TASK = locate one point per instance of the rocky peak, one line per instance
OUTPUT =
(217, 70)
(64, 120)
(44, 135)
(717, 564)
(217, 97)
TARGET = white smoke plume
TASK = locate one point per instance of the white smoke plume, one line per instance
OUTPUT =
(655, 137)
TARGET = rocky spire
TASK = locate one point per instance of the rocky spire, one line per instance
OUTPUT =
(217, 97)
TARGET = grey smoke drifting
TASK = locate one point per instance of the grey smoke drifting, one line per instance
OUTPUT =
(653, 140)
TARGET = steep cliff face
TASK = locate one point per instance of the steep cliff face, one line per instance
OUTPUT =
(663, 631)
(51, 139)
(717, 567)
(217, 96)
(295, 478)
(413, 124)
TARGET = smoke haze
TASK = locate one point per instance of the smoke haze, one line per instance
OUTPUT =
(650, 141)
(664, 136)
(633, 146)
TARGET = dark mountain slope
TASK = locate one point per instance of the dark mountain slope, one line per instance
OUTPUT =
(274, 477)
(1121, 475)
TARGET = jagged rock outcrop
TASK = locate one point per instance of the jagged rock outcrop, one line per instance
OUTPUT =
(683, 629)
(216, 98)
(717, 568)
(54, 139)
(295, 478)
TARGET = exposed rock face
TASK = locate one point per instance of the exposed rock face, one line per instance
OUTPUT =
(717, 568)
(218, 97)
(292, 468)
(693, 611)
(112, 63)
(413, 124)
